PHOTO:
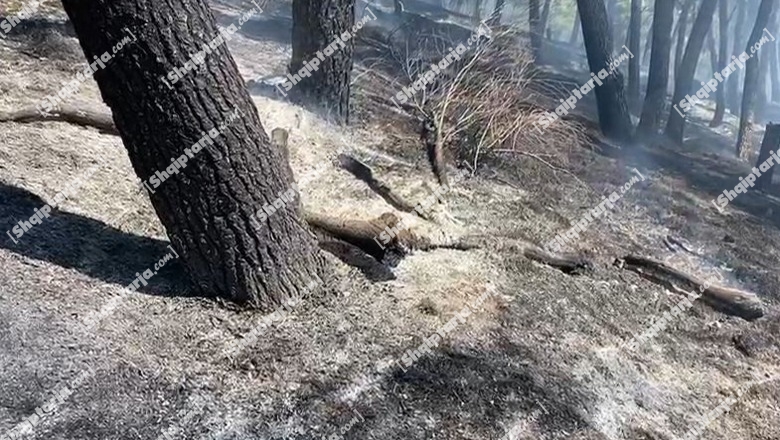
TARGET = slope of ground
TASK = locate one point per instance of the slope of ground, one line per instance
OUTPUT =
(541, 357)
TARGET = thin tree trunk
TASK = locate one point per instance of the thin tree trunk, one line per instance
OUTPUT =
(610, 98)
(648, 45)
(576, 28)
(723, 48)
(774, 70)
(534, 22)
(545, 16)
(658, 76)
(495, 17)
(317, 27)
(209, 207)
(635, 33)
(750, 89)
(684, 78)
(733, 86)
(682, 32)
(770, 144)
(612, 21)
(761, 87)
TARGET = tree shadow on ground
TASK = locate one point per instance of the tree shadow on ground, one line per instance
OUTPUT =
(102, 251)
(87, 245)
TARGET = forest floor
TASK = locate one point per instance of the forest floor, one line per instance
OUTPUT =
(540, 358)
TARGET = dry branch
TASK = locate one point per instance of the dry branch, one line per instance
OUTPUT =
(365, 174)
(735, 302)
(86, 118)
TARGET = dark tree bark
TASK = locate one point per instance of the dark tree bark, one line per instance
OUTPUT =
(495, 17)
(770, 144)
(658, 77)
(614, 118)
(534, 22)
(733, 86)
(316, 25)
(750, 89)
(682, 31)
(634, 35)
(684, 79)
(723, 49)
(576, 29)
(209, 207)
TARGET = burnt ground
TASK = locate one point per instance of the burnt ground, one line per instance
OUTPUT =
(541, 357)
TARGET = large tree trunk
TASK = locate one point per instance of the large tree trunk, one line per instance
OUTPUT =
(733, 86)
(658, 76)
(614, 118)
(534, 22)
(723, 49)
(683, 81)
(317, 25)
(576, 28)
(682, 31)
(634, 35)
(750, 89)
(209, 206)
(769, 145)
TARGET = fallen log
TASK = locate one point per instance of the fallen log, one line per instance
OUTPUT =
(567, 263)
(727, 300)
(85, 118)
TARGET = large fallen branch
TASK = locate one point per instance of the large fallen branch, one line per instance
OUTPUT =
(86, 118)
(735, 302)
(364, 173)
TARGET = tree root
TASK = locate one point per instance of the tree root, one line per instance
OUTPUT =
(85, 118)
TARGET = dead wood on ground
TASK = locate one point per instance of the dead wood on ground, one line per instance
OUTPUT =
(734, 302)
(85, 118)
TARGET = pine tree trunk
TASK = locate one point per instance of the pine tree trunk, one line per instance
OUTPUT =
(318, 26)
(658, 76)
(534, 22)
(771, 143)
(612, 21)
(733, 85)
(682, 32)
(634, 36)
(209, 207)
(750, 89)
(576, 28)
(610, 97)
(683, 81)
(545, 16)
(774, 69)
(723, 49)
(761, 88)
(495, 17)
(648, 45)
